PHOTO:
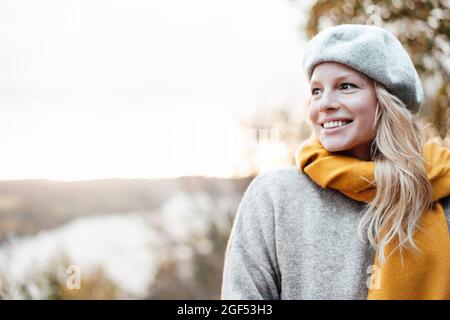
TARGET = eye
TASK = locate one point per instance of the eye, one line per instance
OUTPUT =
(343, 86)
(314, 91)
(347, 85)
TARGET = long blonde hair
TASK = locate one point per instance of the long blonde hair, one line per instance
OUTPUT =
(403, 191)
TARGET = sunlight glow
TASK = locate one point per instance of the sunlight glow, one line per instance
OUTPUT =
(159, 94)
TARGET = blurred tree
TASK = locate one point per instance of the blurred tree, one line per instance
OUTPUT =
(192, 267)
(50, 283)
(199, 277)
(287, 120)
(423, 27)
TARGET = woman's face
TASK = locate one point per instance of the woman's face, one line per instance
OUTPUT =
(340, 93)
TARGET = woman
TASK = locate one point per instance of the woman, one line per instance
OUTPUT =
(365, 213)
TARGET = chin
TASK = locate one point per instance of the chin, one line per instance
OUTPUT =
(334, 147)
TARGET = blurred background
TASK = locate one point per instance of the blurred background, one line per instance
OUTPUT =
(130, 130)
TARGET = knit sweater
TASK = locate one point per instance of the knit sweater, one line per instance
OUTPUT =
(291, 239)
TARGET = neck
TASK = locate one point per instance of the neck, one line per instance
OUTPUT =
(361, 152)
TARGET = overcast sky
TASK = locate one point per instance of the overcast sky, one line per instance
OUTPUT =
(86, 85)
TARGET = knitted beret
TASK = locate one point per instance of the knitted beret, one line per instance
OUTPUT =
(371, 50)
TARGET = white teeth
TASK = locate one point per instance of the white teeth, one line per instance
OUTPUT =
(333, 124)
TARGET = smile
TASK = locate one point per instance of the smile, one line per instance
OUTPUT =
(335, 125)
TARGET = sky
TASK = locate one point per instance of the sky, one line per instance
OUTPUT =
(141, 89)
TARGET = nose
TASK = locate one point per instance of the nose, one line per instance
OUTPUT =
(327, 102)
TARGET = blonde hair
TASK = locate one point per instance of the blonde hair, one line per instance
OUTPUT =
(403, 191)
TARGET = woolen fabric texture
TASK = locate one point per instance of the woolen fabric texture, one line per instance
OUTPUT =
(371, 50)
(416, 275)
(292, 239)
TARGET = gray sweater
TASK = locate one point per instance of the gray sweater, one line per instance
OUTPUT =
(291, 239)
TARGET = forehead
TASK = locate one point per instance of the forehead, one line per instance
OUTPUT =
(328, 71)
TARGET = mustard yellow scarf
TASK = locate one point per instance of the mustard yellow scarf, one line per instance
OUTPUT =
(420, 276)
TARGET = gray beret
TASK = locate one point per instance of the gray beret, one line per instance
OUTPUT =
(371, 50)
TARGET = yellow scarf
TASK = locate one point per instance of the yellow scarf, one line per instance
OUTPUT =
(421, 276)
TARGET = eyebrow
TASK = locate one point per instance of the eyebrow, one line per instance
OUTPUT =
(340, 78)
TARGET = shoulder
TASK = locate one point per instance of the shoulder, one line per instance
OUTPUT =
(280, 186)
(290, 191)
(281, 179)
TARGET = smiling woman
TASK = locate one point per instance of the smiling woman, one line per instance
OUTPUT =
(342, 107)
(365, 215)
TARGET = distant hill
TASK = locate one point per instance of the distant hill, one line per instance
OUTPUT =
(28, 206)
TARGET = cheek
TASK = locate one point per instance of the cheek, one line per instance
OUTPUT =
(366, 119)
(313, 114)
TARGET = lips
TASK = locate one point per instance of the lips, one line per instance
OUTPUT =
(321, 123)
(335, 123)
(333, 129)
